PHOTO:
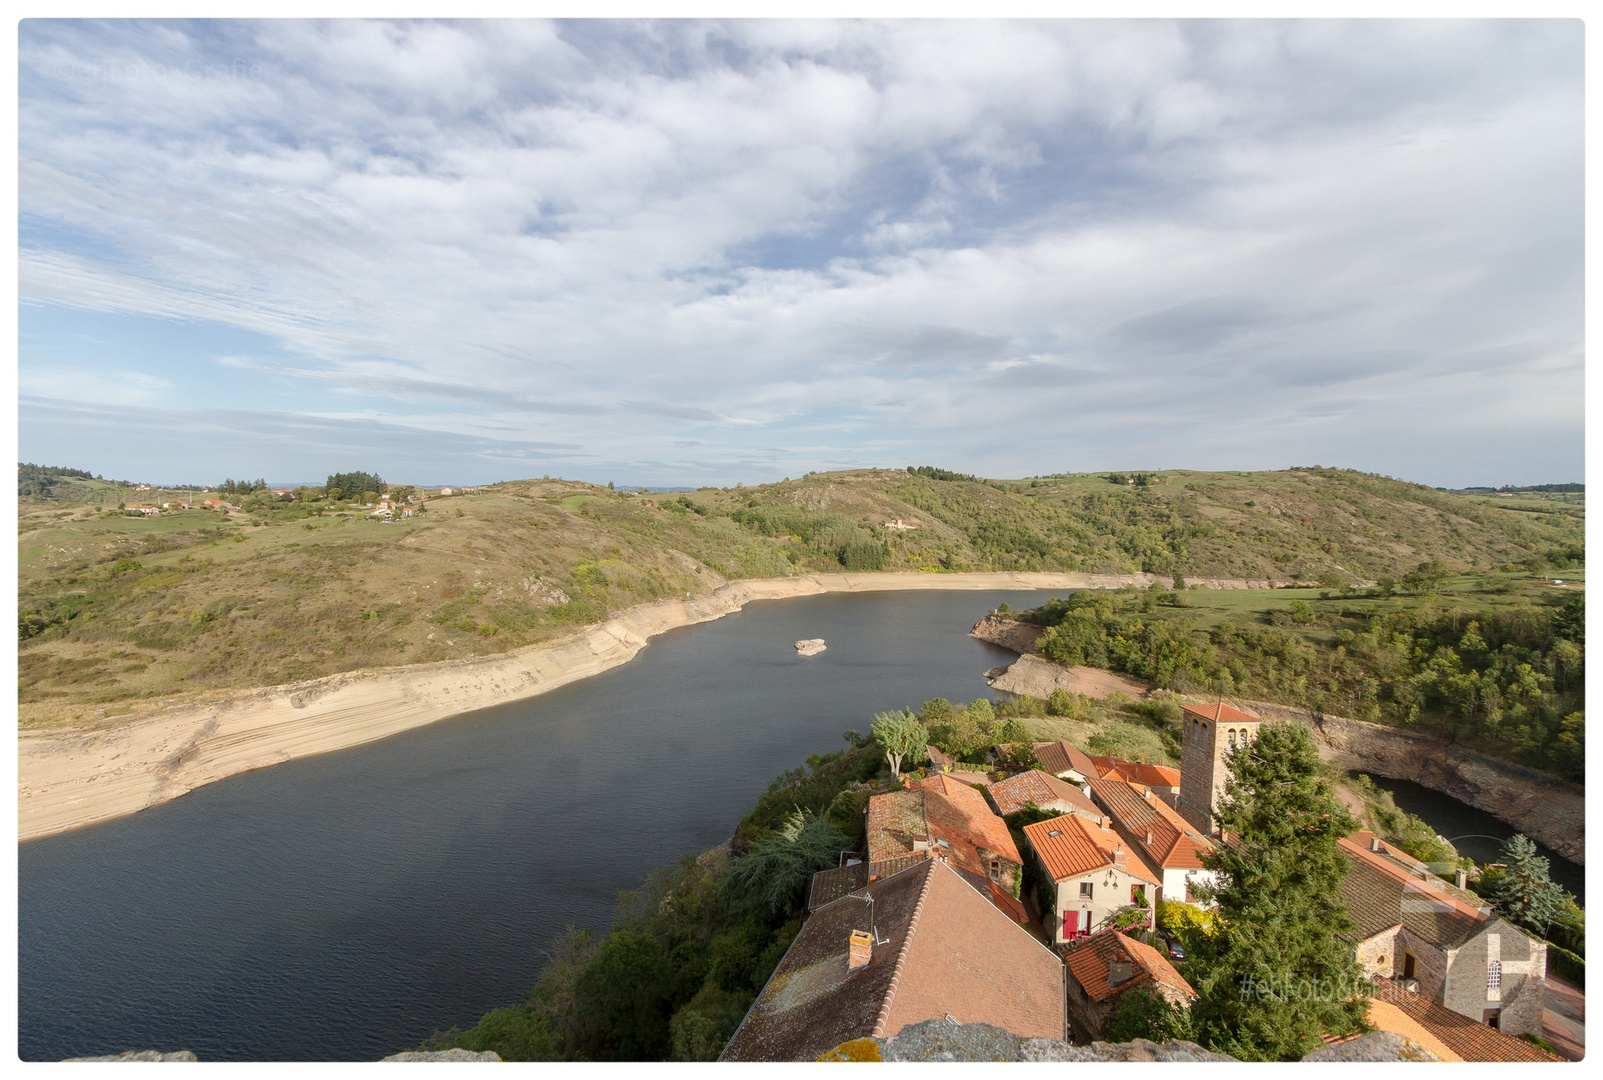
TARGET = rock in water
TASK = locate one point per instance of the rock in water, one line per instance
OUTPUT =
(810, 647)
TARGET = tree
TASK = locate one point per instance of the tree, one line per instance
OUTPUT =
(901, 736)
(1428, 576)
(775, 874)
(1142, 1014)
(1278, 975)
(1523, 893)
(351, 486)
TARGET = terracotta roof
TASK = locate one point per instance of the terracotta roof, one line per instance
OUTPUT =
(948, 816)
(1060, 757)
(1221, 713)
(1174, 843)
(1136, 772)
(1079, 847)
(943, 950)
(1384, 1016)
(1088, 961)
(1041, 788)
(937, 757)
(1380, 895)
(1468, 1039)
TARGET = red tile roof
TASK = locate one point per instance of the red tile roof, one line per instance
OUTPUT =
(1174, 843)
(1060, 757)
(1470, 1039)
(1088, 961)
(943, 950)
(1221, 713)
(1041, 788)
(950, 817)
(1070, 846)
(1136, 772)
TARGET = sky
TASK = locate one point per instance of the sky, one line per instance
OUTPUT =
(686, 252)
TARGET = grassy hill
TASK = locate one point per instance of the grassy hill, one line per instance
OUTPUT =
(114, 610)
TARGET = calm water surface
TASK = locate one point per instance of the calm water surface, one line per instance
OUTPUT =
(344, 907)
(1475, 832)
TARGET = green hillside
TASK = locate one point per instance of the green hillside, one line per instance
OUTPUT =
(115, 610)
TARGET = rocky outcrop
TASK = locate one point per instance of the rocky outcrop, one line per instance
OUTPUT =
(811, 646)
(142, 1055)
(944, 1040)
(1375, 1046)
(1543, 807)
(456, 1053)
(1008, 633)
(1035, 677)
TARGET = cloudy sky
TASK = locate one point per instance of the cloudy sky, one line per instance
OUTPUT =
(682, 252)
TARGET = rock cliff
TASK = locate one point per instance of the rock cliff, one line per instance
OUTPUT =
(1543, 807)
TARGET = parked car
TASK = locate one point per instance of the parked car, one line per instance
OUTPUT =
(1174, 950)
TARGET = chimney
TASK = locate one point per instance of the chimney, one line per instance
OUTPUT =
(1461, 878)
(859, 950)
(1146, 792)
(1149, 835)
(1374, 843)
(1119, 971)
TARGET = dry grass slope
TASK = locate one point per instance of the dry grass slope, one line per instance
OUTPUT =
(117, 610)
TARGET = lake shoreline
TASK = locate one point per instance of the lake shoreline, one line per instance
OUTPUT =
(68, 778)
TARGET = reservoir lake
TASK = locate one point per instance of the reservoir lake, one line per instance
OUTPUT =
(346, 906)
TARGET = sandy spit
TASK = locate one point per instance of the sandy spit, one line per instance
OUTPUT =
(71, 777)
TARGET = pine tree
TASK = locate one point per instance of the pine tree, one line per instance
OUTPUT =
(1281, 972)
(1523, 893)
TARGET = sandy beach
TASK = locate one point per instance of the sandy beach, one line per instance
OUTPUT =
(70, 777)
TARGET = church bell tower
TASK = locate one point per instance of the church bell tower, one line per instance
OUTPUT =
(1209, 735)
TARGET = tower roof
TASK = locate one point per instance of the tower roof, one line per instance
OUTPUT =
(1220, 713)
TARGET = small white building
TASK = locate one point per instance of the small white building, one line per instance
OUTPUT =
(1093, 876)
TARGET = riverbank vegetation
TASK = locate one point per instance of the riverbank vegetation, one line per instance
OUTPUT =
(115, 611)
(1495, 662)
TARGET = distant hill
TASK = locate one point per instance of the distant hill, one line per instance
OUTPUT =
(114, 609)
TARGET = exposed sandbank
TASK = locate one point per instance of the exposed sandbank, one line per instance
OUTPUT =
(70, 777)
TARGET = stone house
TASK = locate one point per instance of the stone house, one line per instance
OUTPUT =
(1043, 790)
(1169, 845)
(1103, 968)
(1092, 876)
(921, 944)
(1420, 931)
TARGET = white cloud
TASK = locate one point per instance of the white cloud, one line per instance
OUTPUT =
(633, 236)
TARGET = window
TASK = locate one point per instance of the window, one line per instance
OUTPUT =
(1085, 890)
(1494, 976)
(1138, 895)
(1232, 742)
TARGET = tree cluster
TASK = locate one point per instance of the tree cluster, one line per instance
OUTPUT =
(353, 486)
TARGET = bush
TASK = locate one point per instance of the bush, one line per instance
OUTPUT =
(1566, 965)
(863, 555)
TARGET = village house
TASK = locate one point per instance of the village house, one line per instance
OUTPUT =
(145, 509)
(1421, 931)
(1163, 780)
(946, 820)
(1066, 762)
(922, 944)
(1103, 968)
(1043, 790)
(1159, 836)
(447, 491)
(1209, 734)
(1093, 876)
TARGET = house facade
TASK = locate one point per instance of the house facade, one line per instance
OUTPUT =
(1419, 931)
(1166, 842)
(1093, 877)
